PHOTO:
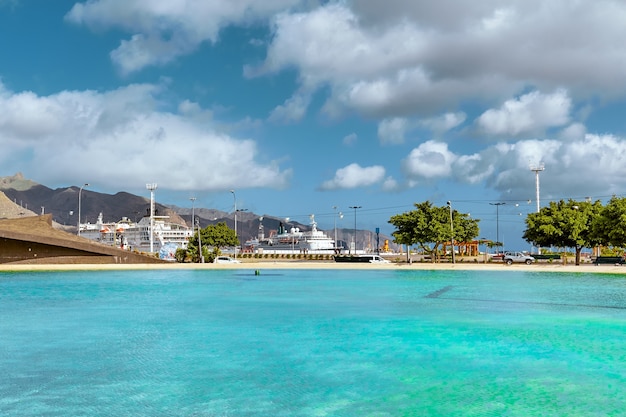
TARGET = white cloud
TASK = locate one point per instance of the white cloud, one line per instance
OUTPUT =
(122, 137)
(392, 59)
(532, 112)
(293, 110)
(390, 184)
(162, 30)
(571, 168)
(575, 131)
(402, 58)
(392, 131)
(441, 124)
(429, 160)
(354, 176)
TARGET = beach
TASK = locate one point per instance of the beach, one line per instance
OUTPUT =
(291, 264)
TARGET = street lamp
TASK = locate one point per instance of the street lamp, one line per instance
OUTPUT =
(285, 231)
(340, 217)
(355, 209)
(193, 224)
(151, 187)
(451, 230)
(498, 222)
(238, 243)
(193, 203)
(80, 192)
(200, 242)
(235, 211)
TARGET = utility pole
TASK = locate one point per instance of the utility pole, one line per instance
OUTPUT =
(355, 209)
(497, 221)
(451, 230)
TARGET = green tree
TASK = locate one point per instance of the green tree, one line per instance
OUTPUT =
(610, 226)
(566, 224)
(429, 226)
(214, 237)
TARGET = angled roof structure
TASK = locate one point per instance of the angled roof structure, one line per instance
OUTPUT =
(33, 240)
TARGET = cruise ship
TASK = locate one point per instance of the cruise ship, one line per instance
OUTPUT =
(292, 241)
(136, 236)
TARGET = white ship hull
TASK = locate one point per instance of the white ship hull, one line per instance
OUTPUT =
(137, 236)
(292, 241)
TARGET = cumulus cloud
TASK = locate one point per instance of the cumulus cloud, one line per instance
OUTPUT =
(429, 160)
(164, 30)
(570, 167)
(418, 58)
(392, 131)
(402, 64)
(443, 123)
(390, 184)
(292, 110)
(391, 59)
(532, 112)
(575, 131)
(121, 136)
(355, 176)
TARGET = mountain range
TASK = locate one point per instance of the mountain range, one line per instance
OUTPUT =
(22, 197)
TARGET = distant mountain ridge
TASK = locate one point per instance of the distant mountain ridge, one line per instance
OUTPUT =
(16, 182)
(27, 197)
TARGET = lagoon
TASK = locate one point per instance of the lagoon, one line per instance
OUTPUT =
(312, 343)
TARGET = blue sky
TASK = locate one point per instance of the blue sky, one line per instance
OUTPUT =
(301, 106)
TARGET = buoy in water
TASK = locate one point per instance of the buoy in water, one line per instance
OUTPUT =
(257, 272)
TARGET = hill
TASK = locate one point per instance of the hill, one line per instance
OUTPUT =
(16, 182)
(23, 197)
(62, 203)
(10, 210)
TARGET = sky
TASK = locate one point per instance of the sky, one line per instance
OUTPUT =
(313, 107)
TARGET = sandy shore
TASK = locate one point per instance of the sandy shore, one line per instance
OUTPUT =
(543, 267)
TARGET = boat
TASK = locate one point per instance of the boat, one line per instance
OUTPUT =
(373, 259)
(130, 235)
(292, 240)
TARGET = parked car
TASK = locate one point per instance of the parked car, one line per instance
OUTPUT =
(510, 257)
(226, 260)
(376, 259)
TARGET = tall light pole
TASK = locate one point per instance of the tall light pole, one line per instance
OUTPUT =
(200, 243)
(497, 221)
(537, 170)
(235, 210)
(151, 187)
(341, 217)
(451, 230)
(193, 222)
(80, 192)
(239, 211)
(193, 203)
(355, 209)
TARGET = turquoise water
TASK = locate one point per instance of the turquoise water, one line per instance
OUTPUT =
(312, 343)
